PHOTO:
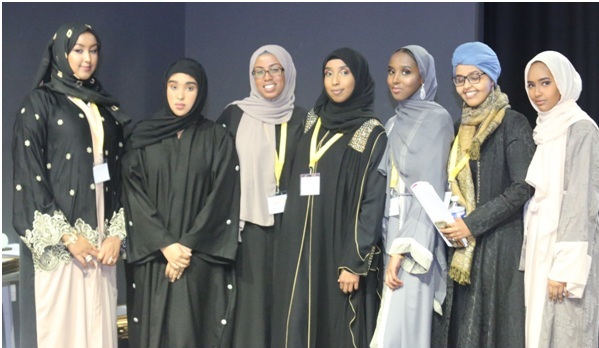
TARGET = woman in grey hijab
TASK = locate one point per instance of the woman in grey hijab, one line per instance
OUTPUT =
(420, 136)
(266, 126)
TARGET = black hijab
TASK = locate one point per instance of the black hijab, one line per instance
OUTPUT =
(56, 74)
(349, 115)
(165, 123)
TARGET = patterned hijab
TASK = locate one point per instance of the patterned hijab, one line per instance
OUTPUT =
(256, 138)
(56, 74)
(165, 123)
(349, 115)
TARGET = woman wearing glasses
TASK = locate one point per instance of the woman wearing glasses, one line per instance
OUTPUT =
(327, 258)
(487, 167)
(561, 251)
(266, 126)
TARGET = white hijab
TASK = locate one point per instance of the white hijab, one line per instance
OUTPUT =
(256, 142)
(546, 170)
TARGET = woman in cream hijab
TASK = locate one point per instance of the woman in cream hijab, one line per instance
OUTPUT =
(267, 126)
(560, 252)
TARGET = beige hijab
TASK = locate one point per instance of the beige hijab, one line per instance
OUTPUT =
(256, 140)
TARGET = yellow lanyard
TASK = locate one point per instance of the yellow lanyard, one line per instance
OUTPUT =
(316, 155)
(455, 169)
(394, 175)
(280, 159)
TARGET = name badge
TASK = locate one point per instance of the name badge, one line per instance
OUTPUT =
(394, 206)
(276, 203)
(101, 173)
(310, 184)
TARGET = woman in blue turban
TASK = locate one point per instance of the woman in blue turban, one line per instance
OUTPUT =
(487, 170)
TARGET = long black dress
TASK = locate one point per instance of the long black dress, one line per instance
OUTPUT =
(324, 234)
(55, 193)
(53, 177)
(490, 311)
(254, 263)
(183, 190)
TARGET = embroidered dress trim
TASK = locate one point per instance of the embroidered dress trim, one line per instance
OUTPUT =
(116, 227)
(310, 120)
(44, 239)
(358, 141)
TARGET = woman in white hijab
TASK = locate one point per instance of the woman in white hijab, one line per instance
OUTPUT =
(560, 251)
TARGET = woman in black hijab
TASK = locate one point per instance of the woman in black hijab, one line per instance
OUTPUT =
(327, 256)
(181, 197)
(68, 138)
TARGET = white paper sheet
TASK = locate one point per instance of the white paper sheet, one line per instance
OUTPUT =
(434, 207)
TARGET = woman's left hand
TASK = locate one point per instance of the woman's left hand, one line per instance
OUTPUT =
(109, 251)
(557, 291)
(348, 282)
(391, 278)
(457, 231)
(173, 273)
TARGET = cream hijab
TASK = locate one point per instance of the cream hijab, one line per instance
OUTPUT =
(256, 139)
(546, 170)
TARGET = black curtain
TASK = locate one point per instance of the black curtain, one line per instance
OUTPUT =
(519, 31)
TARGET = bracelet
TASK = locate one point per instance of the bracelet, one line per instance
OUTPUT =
(71, 239)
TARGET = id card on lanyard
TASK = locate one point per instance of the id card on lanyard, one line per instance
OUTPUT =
(310, 182)
(276, 203)
(101, 173)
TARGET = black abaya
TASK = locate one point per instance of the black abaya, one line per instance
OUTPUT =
(187, 191)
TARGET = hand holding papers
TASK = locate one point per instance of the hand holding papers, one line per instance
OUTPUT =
(434, 207)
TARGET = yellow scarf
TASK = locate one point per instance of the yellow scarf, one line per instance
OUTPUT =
(476, 126)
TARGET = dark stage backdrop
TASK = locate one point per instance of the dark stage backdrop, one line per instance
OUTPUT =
(223, 37)
(519, 31)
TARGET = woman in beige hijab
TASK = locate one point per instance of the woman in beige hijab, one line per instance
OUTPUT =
(267, 126)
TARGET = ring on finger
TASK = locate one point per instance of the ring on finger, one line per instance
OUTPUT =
(88, 258)
(110, 259)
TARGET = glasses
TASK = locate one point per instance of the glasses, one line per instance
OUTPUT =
(273, 71)
(473, 78)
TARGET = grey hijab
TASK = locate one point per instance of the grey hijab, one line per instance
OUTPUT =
(273, 111)
(255, 140)
(418, 124)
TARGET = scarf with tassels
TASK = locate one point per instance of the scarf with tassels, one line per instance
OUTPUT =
(477, 124)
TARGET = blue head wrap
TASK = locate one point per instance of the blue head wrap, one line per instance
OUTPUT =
(477, 54)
